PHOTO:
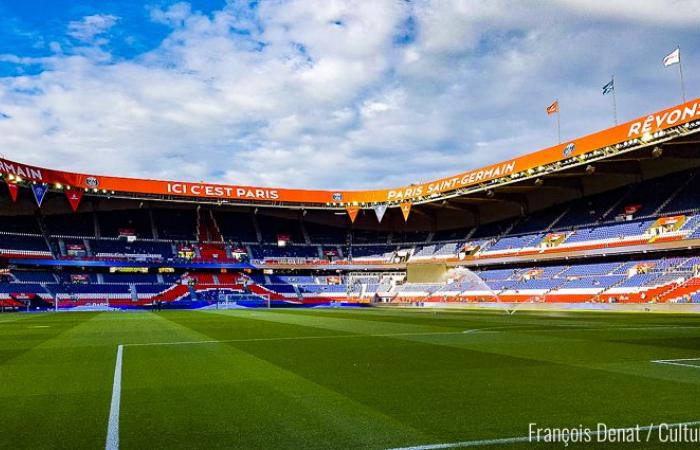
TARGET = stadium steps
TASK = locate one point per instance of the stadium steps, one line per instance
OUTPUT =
(557, 220)
(96, 225)
(688, 287)
(45, 234)
(615, 270)
(211, 242)
(564, 269)
(617, 204)
(133, 292)
(300, 296)
(674, 194)
(304, 232)
(229, 253)
(47, 291)
(88, 249)
(605, 292)
(256, 225)
(175, 292)
(257, 289)
(493, 241)
(658, 292)
(214, 231)
(62, 246)
(693, 230)
(154, 228)
(470, 233)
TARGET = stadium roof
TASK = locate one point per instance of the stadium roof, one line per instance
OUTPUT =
(495, 182)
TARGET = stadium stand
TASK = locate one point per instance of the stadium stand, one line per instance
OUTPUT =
(593, 233)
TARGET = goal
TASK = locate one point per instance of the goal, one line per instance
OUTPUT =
(243, 300)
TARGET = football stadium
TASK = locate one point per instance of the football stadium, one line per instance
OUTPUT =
(547, 300)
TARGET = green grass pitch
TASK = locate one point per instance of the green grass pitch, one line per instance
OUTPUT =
(338, 379)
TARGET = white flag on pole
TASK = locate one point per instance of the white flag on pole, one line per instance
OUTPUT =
(673, 58)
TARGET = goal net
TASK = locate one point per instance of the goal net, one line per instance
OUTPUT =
(242, 300)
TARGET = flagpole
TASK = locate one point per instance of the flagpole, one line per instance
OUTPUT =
(680, 72)
(614, 100)
(558, 123)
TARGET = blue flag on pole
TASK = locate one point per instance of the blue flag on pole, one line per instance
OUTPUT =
(39, 192)
(608, 88)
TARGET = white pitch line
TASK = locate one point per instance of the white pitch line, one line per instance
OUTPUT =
(675, 362)
(348, 336)
(528, 439)
(112, 442)
(301, 338)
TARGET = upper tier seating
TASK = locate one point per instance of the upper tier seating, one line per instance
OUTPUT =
(137, 221)
(19, 242)
(289, 251)
(450, 235)
(539, 221)
(589, 210)
(236, 226)
(369, 237)
(610, 231)
(120, 247)
(322, 234)
(415, 236)
(137, 278)
(176, 224)
(437, 250)
(33, 276)
(378, 252)
(81, 224)
(19, 224)
(21, 288)
(272, 227)
(688, 199)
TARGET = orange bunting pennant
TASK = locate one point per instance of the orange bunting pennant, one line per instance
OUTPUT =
(352, 212)
(406, 210)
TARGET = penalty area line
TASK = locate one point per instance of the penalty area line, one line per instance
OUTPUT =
(678, 362)
(530, 439)
(304, 338)
(112, 442)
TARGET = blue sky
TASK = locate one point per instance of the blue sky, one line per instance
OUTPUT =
(324, 93)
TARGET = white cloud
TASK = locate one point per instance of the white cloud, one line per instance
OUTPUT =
(331, 93)
(90, 29)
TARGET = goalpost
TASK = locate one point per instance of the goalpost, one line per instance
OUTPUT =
(243, 300)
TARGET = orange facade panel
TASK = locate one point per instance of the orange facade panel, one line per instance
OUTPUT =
(662, 120)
